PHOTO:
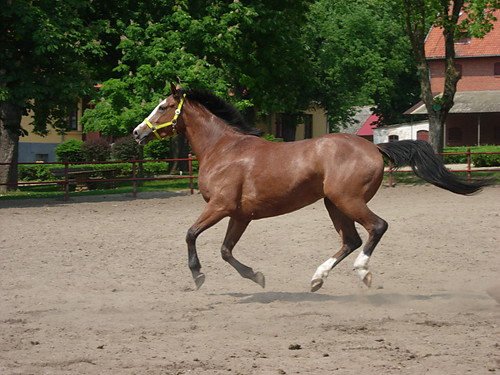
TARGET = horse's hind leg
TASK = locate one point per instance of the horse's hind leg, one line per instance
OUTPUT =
(234, 231)
(350, 242)
(374, 225)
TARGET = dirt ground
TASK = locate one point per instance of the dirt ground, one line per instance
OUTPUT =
(101, 286)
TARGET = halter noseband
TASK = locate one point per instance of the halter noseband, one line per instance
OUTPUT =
(172, 123)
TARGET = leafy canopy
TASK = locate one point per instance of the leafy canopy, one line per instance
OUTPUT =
(251, 54)
(44, 45)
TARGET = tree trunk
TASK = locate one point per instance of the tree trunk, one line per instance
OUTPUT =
(179, 149)
(10, 126)
(417, 29)
(436, 130)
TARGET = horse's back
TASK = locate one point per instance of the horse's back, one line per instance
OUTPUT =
(264, 178)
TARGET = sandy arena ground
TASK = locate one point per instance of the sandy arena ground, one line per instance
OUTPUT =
(101, 286)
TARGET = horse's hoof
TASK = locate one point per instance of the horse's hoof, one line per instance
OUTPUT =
(368, 279)
(260, 279)
(316, 285)
(199, 280)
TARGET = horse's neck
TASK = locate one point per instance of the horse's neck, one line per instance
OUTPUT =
(205, 132)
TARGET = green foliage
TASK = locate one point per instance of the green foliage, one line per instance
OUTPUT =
(44, 50)
(39, 172)
(480, 160)
(272, 138)
(126, 149)
(70, 151)
(157, 149)
(361, 56)
(487, 160)
(250, 53)
(96, 150)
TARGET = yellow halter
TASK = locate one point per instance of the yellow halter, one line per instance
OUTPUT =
(172, 123)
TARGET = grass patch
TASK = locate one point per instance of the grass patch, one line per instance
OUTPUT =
(125, 187)
(410, 179)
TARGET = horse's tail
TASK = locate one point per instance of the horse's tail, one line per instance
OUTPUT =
(420, 156)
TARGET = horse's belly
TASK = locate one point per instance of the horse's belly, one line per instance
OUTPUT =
(261, 205)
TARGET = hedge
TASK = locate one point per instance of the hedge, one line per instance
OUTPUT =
(42, 172)
(482, 160)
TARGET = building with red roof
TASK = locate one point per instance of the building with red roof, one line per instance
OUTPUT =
(475, 117)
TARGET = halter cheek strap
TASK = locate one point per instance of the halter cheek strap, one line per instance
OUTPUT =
(172, 123)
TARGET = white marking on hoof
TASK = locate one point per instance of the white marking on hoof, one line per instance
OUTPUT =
(260, 279)
(322, 272)
(199, 280)
(368, 279)
(316, 285)
(361, 267)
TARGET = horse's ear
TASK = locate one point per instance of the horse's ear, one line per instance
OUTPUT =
(173, 90)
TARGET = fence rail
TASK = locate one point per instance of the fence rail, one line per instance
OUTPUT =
(453, 168)
(67, 179)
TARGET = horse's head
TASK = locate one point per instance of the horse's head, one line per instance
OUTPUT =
(162, 122)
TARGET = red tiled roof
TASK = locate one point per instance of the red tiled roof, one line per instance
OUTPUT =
(368, 126)
(487, 46)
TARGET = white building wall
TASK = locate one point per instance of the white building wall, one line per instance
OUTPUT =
(403, 131)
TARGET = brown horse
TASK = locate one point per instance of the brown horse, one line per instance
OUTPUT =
(245, 177)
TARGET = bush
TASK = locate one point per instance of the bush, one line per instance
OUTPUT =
(126, 149)
(70, 150)
(157, 149)
(96, 150)
(40, 172)
(487, 160)
(455, 159)
(481, 160)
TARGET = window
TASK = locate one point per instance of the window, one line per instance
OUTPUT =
(279, 126)
(73, 120)
(42, 158)
(497, 69)
(455, 134)
(423, 135)
(308, 126)
(463, 38)
(393, 138)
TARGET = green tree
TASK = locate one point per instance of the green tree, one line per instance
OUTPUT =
(44, 46)
(419, 16)
(361, 56)
(250, 53)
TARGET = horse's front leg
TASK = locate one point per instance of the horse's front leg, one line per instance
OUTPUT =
(208, 218)
(234, 231)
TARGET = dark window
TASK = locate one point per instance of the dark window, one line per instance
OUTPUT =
(42, 157)
(497, 134)
(497, 69)
(308, 126)
(455, 134)
(73, 120)
(393, 138)
(464, 38)
(423, 135)
(279, 126)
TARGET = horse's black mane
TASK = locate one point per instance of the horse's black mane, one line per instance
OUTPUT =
(220, 108)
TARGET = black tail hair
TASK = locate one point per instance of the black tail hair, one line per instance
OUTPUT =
(420, 156)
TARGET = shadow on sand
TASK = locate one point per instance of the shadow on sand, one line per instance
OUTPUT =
(377, 299)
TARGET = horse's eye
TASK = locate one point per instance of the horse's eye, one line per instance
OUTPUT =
(162, 108)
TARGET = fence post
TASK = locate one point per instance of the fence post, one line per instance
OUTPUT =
(134, 181)
(66, 178)
(468, 166)
(390, 173)
(190, 168)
